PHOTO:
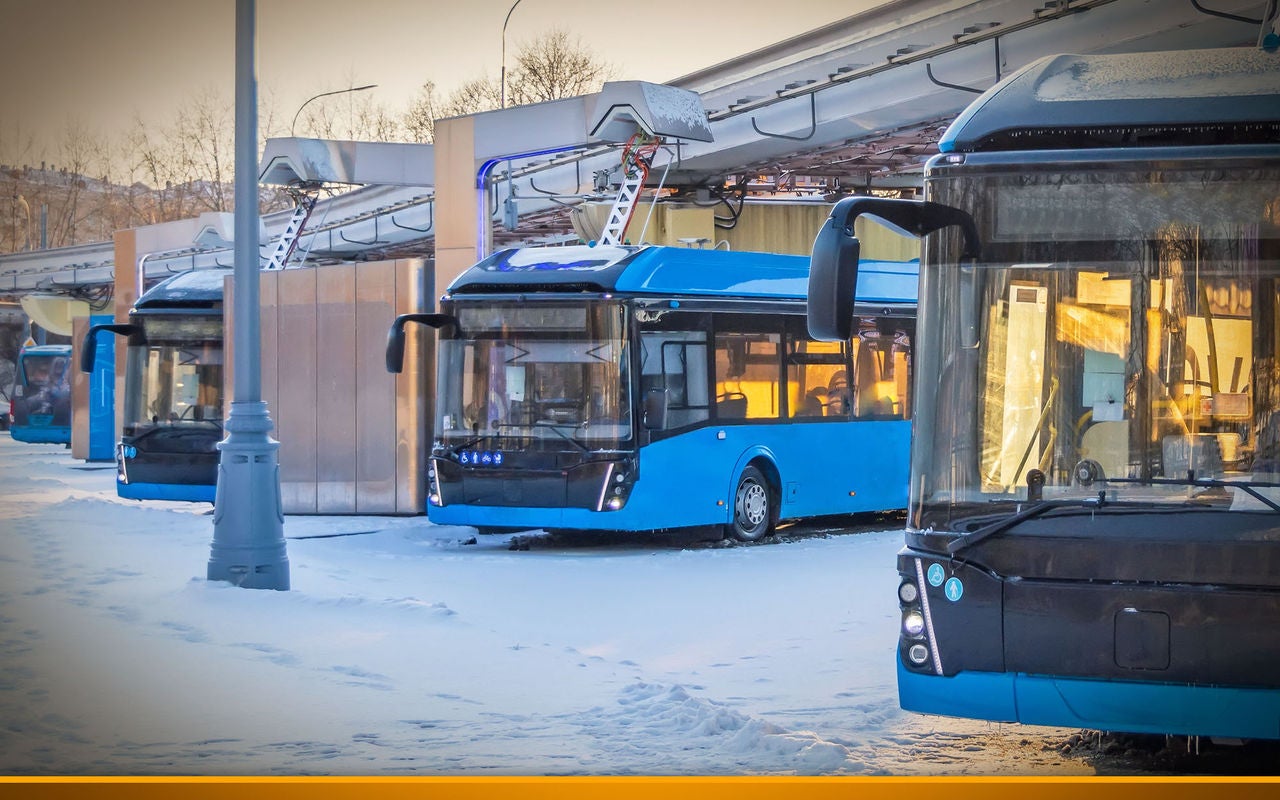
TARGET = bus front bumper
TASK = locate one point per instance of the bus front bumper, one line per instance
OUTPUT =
(1119, 706)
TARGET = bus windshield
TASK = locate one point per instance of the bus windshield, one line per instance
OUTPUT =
(1115, 336)
(47, 391)
(554, 373)
(176, 376)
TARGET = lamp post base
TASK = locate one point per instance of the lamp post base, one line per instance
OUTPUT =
(248, 547)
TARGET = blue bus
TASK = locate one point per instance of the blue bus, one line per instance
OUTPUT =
(40, 404)
(1094, 520)
(648, 388)
(173, 393)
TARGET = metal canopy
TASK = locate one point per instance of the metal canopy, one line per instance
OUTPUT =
(855, 105)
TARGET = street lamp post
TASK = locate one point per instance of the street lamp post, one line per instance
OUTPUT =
(502, 71)
(294, 124)
(248, 546)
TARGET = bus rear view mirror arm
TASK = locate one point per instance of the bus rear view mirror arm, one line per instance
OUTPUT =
(833, 265)
(89, 347)
(395, 336)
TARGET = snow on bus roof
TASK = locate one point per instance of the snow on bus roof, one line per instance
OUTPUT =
(1234, 86)
(192, 286)
(1221, 72)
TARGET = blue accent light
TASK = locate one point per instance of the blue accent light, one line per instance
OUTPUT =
(482, 178)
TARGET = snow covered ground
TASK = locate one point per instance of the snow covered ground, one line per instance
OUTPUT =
(409, 648)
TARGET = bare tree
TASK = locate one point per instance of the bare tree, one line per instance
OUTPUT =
(352, 115)
(553, 66)
(472, 97)
(419, 121)
(204, 138)
(357, 118)
(190, 161)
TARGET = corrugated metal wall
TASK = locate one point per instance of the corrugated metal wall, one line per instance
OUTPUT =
(353, 437)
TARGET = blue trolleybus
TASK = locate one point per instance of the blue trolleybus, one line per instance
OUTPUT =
(40, 404)
(1093, 536)
(173, 389)
(647, 388)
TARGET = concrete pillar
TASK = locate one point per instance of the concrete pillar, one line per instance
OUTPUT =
(126, 294)
(457, 201)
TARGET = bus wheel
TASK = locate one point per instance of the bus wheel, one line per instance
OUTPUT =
(753, 511)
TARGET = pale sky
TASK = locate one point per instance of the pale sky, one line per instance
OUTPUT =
(98, 63)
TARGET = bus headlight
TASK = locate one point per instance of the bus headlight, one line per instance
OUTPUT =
(918, 654)
(615, 484)
(908, 592)
(913, 624)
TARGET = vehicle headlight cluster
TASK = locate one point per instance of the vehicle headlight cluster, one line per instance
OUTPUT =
(913, 642)
(433, 484)
(616, 487)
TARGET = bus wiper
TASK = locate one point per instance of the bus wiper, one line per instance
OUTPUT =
(1032, 511)
(556, 426)
(479, 437)
(1248, 487)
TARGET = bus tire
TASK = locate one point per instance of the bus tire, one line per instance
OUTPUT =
(754, 509)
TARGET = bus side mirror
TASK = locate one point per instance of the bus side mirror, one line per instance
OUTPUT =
(833, 264)
(395, 336)
(655, 409)
(833, 278)
(89, 346)
(395, 346)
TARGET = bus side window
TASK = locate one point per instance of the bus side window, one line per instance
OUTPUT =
(676, 360)
(812, 368)
(748, 368)
(882, 358)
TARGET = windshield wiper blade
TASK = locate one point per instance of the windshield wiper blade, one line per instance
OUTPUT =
(457, 449)
(1249, 487)
(998, 527)
(556, 426)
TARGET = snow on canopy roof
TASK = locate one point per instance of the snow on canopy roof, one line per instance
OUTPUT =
(197, 286)
(1229, 86)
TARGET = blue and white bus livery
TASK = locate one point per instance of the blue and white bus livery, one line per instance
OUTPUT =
(648, 388)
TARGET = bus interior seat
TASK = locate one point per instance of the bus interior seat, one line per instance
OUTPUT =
(813, 404)
(839, 399)
(732, 405)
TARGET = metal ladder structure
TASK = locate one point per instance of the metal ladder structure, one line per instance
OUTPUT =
(304, 203)
(637, 156)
